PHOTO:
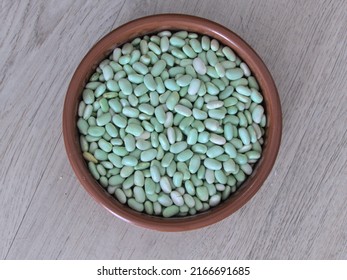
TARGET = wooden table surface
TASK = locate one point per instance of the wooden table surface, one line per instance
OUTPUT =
(299, 213)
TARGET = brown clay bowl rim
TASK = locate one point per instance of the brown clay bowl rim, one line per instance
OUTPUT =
(152, 24)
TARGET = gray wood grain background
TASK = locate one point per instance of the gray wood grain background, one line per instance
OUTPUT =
(300, 212)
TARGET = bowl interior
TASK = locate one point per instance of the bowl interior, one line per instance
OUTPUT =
(150, 25)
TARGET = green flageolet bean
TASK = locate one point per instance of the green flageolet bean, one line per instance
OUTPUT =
(88, 112)
(220, 177)
(244, 136)
(112, 172)
(157, 208)
(189, 187)
(201, 172)
(205, 43)
(82, 126)
(81, 108)
(199, 148)
(148, 155)
(177, 42)
(104, 105)
(164, 44)
(126, 171)
(170, 170)
(155, 173)
(177, 179)
(88, 96)
(165, 184)
(129, 161)
(96, 131)
(184, 209)
(105, 145)
(176, 52)
(212, 73)
(214, 45)
(239, 82)
(135, 78)
(167, 159)
(229, 53)
(178, 147)
(128, 182)
(177, 198)
(139, 178)
(215, 200)
(206, 206)
(234, 74)
(120, 151)
(257, 114)
(134, 129)
(93, 170)
(237, 143)
(128, 192)
(196, 45)
(253, 83)
(140, 68)
(184, 80)
(145, 59)
(116, 142)
(139, 194)
(209, 176)
(171, 124)
(103, 181)
(89, 157)
(211, 188)
(115, 105)
(202, 193)
(90, 138)
(84, 144)
(192, 137)
(115, 180)
(211, 58)
(212, 164)
(171, 85)
(214, 151)
(171, 211)
(149, 207)
(189, 51)
(119, 194)
(150, 186)
(191, 71)
(129, 142)
(103, 119)
(183, 110)
(185, 123)
(199, 66)
(135, 205)
(101, 169)
(100, 90)
(184, 155)
(194, 164)
(154, 48)
(158, 68)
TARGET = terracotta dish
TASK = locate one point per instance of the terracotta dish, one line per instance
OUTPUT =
(154, 24)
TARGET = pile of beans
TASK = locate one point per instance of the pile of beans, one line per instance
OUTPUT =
(171, 124)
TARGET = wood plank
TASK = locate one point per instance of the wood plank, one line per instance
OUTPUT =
(300, 211)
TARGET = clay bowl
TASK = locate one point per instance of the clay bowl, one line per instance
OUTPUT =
(154, 24)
